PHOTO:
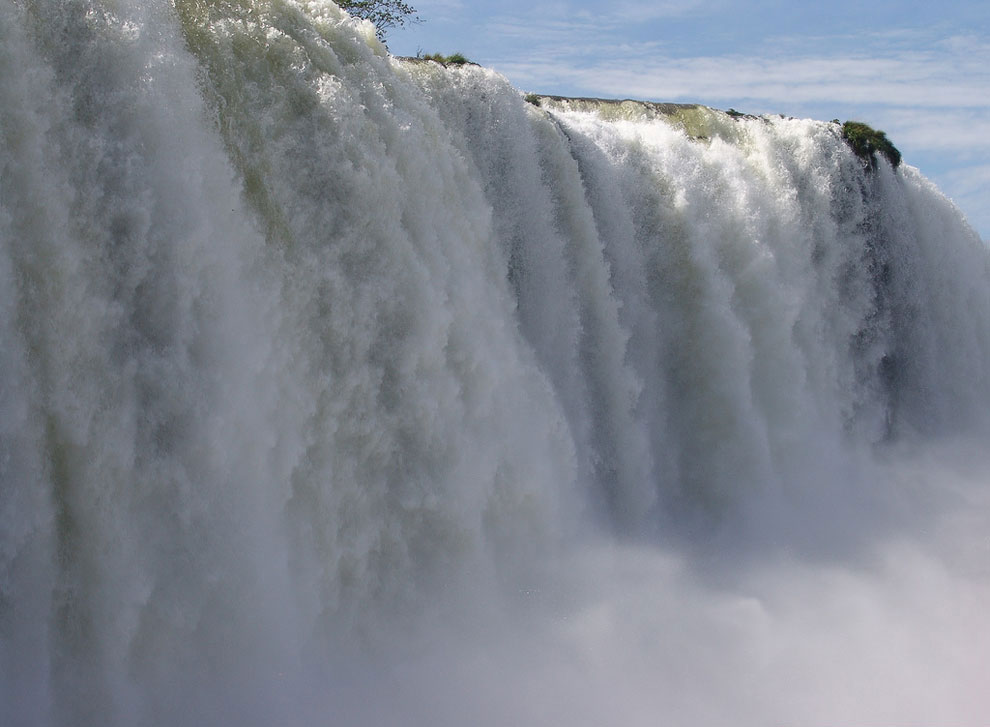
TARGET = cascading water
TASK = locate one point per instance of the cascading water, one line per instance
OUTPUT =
(341, 389)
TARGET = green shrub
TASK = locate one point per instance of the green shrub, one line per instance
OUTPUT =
(457, 59)
(865, 141)
(533, 99)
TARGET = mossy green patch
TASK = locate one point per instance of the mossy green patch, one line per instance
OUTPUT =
(866, 141)
(456, 59)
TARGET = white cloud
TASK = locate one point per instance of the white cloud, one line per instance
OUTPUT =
(636, 11)
(440, 4)
(901, 81)
(439, 11)
(963, 132)
(910, 68)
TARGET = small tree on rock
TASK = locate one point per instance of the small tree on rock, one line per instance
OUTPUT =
(384, 14)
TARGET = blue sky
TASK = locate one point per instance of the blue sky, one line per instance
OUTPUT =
(918, 70)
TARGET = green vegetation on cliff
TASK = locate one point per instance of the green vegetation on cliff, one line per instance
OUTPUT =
(457, 59)
(866, 141)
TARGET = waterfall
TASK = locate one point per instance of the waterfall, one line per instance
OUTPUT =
(337, 388)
